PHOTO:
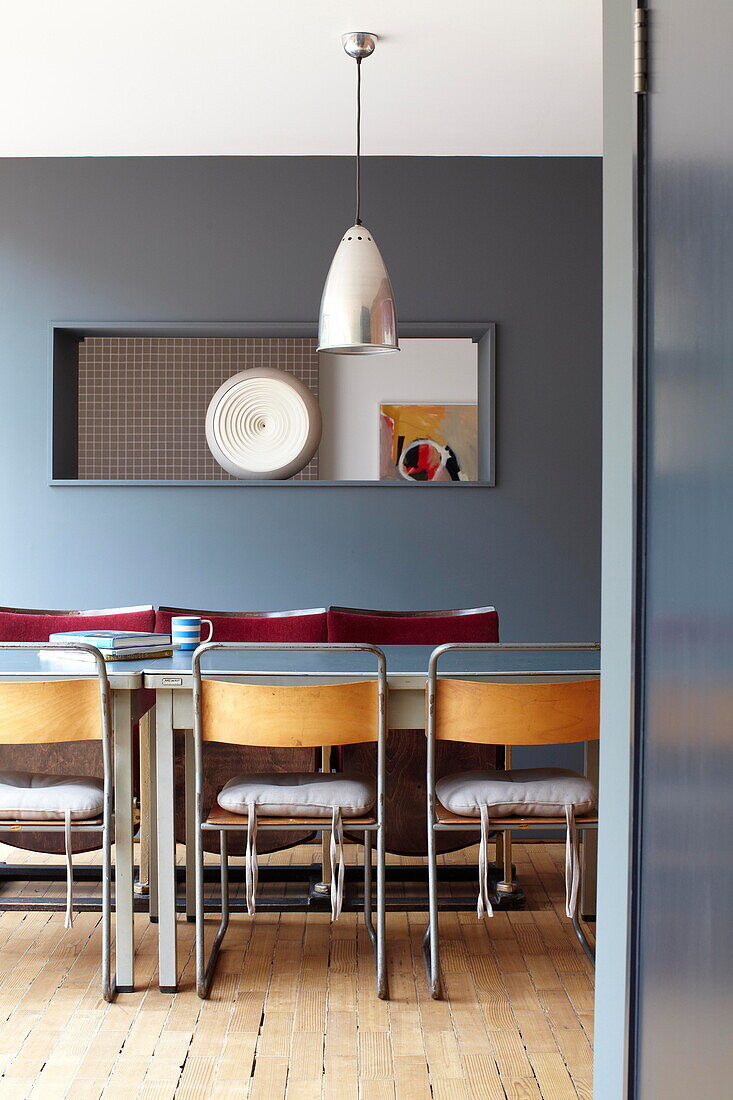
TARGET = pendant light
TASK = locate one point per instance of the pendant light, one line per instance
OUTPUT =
(358, 315)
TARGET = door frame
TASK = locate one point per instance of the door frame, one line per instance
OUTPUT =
(621, 580)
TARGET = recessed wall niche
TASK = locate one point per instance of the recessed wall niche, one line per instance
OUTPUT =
(130, 401)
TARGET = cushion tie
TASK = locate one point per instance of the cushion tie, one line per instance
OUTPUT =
(572, 862)
(338, 869)
(483, 904)
(251, 872)
(69, 918)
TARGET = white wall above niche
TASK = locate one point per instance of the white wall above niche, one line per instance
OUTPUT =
(191, 82)
(352, 387)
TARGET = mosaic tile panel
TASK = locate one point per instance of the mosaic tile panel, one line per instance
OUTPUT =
(143, 401)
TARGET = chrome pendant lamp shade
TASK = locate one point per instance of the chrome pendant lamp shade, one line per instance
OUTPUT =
(358, 315)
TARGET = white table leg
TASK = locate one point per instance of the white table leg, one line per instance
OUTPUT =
(153, 851)
(189, 773)
(124, 864)
(166, 846)
(589, 868)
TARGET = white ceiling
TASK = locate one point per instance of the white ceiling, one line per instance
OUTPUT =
(163, 77)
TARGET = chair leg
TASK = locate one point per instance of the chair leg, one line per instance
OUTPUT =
(109, 984)
(205, 971)
(580, 931)
(431, 954)
(382, 989)
(507, 885)
(368, 921)
(191, 824)
(584, 941)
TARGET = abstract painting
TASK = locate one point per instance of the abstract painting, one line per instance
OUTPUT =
(428, 442)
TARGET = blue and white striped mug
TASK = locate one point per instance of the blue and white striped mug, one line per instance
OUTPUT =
(186, 631)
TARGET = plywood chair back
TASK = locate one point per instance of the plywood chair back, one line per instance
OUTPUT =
(41, 712)
(47, 711)
(289, 716)
(516, 714)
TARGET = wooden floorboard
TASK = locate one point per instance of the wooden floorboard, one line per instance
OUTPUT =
(293, 1013)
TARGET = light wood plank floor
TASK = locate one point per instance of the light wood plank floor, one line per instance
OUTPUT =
(293, 1012)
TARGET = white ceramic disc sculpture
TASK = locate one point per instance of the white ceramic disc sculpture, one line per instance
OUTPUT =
(263, 423)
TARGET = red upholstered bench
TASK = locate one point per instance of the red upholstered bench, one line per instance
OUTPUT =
(356, 624)
(22, 624)
(255, 626)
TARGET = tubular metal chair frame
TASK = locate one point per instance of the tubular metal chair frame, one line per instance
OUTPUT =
(205, 967)
(109, 985)
(430, 945)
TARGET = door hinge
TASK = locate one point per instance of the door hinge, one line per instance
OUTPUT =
(641, 43)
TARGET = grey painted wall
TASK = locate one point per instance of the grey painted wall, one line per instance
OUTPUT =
(516, 241)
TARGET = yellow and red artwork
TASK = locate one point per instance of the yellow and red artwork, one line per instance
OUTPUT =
(428, 442)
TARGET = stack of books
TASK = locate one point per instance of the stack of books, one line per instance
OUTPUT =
(114, 645)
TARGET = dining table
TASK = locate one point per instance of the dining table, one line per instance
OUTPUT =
(132, 684)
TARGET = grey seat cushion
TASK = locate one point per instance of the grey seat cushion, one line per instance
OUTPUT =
(523, 792)
(33, 796)
(299, 794)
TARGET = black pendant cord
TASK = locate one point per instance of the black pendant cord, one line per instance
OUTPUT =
(358, 142)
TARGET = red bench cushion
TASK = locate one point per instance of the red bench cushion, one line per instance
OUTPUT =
(300, 626)
(430, 629)
(23, 626)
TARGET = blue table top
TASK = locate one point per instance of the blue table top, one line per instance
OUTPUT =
(402, 661)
